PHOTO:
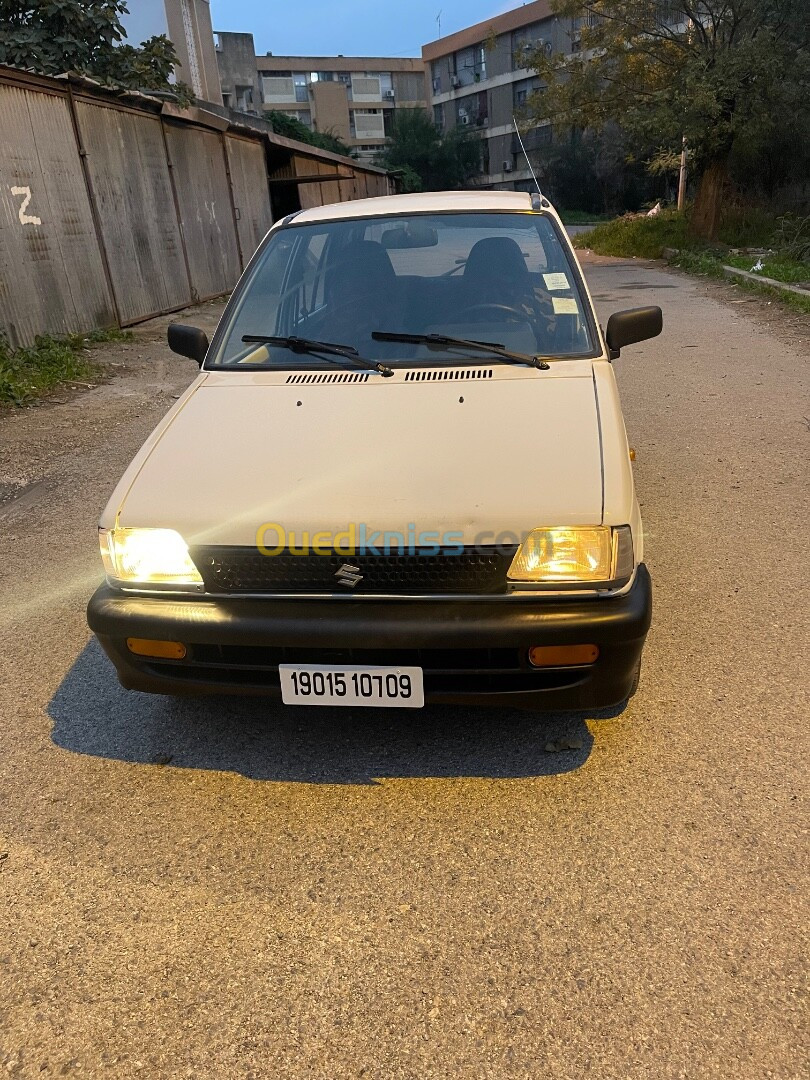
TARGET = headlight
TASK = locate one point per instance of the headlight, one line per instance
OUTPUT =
(567, 556)
(147, 557)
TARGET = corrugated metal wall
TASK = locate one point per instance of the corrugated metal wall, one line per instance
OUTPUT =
(111, 212)
(248, 168)
(51, 271)
(131, 186)
(197, 159)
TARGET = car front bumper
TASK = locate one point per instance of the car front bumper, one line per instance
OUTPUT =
(471, 651)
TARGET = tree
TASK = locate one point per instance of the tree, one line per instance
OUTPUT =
(84, 36)
(291, 128)
(427, 158)
(719, 72)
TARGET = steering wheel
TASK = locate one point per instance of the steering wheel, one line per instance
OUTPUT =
(515, 313)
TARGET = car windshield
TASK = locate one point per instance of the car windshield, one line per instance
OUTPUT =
(503, 278)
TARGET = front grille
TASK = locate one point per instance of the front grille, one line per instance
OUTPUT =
(473, 571)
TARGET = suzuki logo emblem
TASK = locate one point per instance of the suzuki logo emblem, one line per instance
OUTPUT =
(349, 575)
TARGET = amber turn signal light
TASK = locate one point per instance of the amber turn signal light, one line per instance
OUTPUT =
(562, 655)
(162, 650)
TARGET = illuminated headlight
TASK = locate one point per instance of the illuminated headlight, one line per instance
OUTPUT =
(586, 555)
(147, 557)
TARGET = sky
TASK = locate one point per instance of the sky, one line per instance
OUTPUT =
(351, 27)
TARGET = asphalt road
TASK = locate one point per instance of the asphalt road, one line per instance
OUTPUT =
(229, 889)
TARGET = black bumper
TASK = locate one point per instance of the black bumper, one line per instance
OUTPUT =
(470, 651)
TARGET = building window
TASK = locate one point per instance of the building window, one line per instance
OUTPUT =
(523, 90)
(279, 88)
(244, 98)
(468, 66)
(367, 123)
(528, 40)
(366, 88)
(473, 111)
(303, 117)
(438, 116)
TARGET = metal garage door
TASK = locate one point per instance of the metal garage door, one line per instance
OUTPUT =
(129, 173)
(206, 210)
(248, 169)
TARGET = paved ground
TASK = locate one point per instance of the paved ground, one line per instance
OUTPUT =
(231, 890)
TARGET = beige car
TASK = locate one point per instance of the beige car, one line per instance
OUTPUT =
(402, 475)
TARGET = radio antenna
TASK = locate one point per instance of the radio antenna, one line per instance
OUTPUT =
(523, 148)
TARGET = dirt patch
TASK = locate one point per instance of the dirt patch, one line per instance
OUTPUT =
(140, 380)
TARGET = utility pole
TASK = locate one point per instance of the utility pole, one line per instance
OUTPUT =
(682, 173)
(682, 176)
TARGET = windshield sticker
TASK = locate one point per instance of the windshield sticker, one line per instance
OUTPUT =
(556, 281)
(564, 305)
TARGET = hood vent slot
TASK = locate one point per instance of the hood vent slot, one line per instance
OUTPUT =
(330, 377)
(448, 374)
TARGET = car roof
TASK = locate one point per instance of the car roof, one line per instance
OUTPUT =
(423, 203)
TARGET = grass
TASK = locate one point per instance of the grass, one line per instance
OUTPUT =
(777, 267)
(706, 264)
(28, 373)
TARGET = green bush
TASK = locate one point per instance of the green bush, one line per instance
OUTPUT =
(645, 237)
(792, 237)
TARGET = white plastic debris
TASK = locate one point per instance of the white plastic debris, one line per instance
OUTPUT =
(757, 267)
(655, 210)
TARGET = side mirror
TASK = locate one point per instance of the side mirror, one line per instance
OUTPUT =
(188, 341)
(628, 327)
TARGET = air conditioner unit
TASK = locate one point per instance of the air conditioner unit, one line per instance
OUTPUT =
(455, 80)
(507, 166)
(389, 95)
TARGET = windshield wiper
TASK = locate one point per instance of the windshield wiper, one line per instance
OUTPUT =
(327, 348)
(439, 340)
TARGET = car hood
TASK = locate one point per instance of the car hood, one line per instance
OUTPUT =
(478, 456)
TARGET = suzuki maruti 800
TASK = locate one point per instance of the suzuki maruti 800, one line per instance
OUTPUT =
(401, 476)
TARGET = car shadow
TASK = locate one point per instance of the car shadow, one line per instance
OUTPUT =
(262, 740)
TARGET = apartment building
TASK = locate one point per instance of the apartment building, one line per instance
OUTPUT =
(478, 79)
(353, 97)
(187, 23)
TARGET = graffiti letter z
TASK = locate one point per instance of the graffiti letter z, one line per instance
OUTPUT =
(25, 219)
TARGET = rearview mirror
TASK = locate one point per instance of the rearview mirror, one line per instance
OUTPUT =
(628, 327)
(414, 235)
(188, 341)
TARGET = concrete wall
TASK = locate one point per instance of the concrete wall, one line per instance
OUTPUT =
(236, 62)
(194, 43)
(331, 107)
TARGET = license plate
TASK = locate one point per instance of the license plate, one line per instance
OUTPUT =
(380, 687)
